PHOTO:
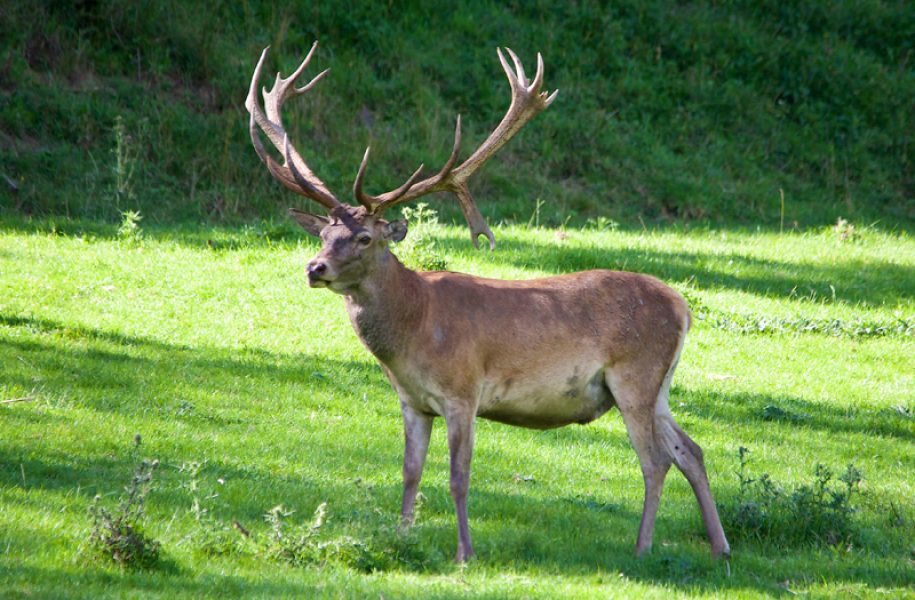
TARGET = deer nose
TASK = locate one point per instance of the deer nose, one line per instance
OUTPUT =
(316, 268)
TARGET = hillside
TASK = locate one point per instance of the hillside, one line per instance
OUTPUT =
(670, 112)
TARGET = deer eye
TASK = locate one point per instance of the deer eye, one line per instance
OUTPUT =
(364, 239)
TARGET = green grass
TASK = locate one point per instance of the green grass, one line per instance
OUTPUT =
(668, 111)
(682, 121)
(208, 343)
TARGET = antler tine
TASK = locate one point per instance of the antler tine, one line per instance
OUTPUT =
(279, 172)
(449, 164)
(519, 69)
(538, 81)
(509, 73)
(284, 88)
(454, 148)
(294, 174)
(372, 202)
(295, 75)
(430, 184)
(410, 189)
(527, 101)
(538, 77)
(254, 108)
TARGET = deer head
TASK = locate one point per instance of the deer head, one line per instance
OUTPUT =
(356, 237)
(354, 241)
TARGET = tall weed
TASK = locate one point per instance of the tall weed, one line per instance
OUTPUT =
(119, 533)
(821, 512)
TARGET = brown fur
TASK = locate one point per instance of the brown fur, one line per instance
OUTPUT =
(540, 353)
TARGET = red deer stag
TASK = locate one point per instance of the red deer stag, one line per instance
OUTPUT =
(541, 353)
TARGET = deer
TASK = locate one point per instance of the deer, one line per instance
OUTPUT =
(540, 353)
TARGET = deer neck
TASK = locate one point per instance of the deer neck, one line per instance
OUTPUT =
(386, 306)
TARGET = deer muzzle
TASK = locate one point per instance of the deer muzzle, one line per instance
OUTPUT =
(319, 273)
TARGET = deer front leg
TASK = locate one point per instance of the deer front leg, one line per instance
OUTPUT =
(417, 429)
(460, 444)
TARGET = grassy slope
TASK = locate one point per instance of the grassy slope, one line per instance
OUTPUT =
(209, 345)
(699, 110)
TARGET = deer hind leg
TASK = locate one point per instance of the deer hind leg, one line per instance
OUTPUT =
(640, 425)
(460, 425)
(687, 455)
(659, 442)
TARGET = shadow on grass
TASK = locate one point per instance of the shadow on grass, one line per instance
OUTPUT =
(520, 533)
(107, 363)
(769, 410)
(763, 410)
(527, 530)
(32, 581)
(562, 538)
(869, 283)
(261, 234)
(127, 367)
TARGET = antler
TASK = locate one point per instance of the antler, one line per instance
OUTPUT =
(293, 173)
(527, 101)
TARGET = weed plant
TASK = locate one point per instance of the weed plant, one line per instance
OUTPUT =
(124, 164)
(129, 230)
(389, 547)
(742, 323)
(210, 536)
(296, 545)
(818, 513)
(419, 250)
(119, 533)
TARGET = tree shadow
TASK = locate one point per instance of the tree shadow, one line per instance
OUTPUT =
(752, 409)
(49, 582)
(790, 412)
(124, 366)
(869, 283)
(260, 234)
(514, 531)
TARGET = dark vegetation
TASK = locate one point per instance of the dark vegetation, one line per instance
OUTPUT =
(821, 512)
(118, 534)
(667, 111)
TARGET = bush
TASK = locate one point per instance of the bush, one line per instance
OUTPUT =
(419, 250)
(666, 111)
(819, 513)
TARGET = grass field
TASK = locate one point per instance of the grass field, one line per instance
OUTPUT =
(208, 344)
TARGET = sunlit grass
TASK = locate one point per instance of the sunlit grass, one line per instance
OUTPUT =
(209, 344)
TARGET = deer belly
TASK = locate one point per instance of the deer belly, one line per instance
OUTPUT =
(546, 402)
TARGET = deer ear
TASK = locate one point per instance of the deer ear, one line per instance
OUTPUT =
(313, 224)
(395, 230)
